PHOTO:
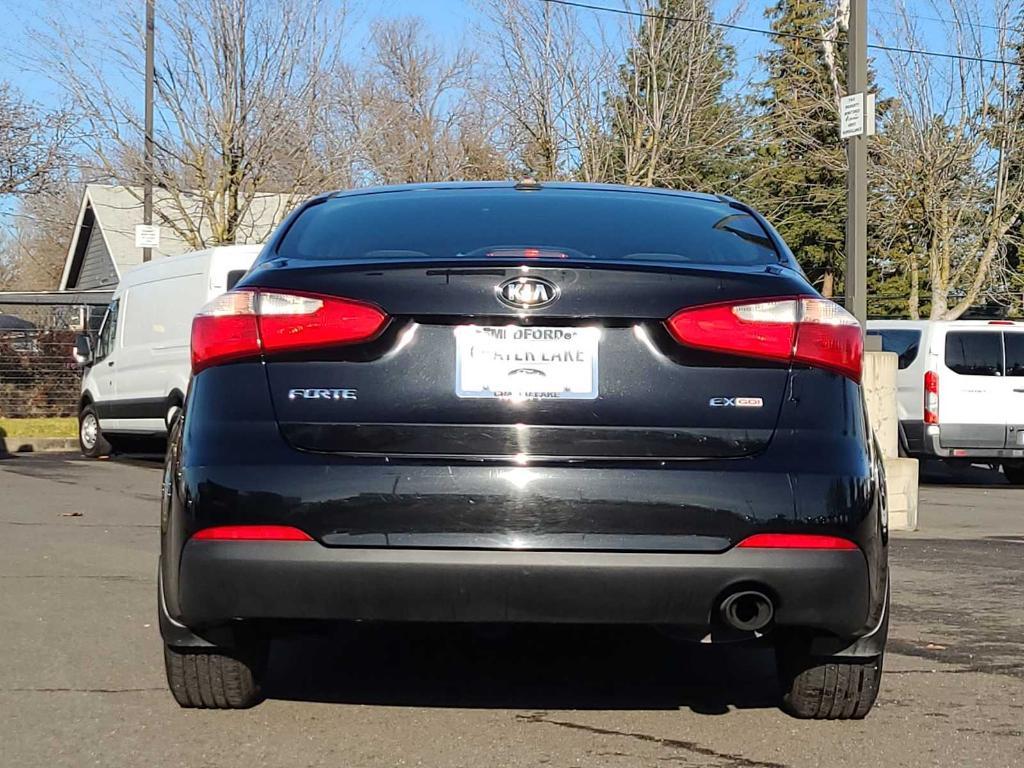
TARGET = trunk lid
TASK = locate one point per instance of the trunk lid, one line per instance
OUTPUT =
(403, 394)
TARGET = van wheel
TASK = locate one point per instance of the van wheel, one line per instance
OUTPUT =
(210, 679)
(173, 414)
(1014, 471)
(91, 441)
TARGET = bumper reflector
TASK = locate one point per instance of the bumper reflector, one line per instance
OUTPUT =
(795, 541)
(251, 533)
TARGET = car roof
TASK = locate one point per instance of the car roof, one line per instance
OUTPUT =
(169, 265)
(945, 323)
(526, 185)
(898, 324)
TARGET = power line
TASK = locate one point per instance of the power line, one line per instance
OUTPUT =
(942, 55)
(693, 20)
(952, 22)
(774, 33)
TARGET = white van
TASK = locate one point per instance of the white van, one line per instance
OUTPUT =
(137, 372)
(961, 389)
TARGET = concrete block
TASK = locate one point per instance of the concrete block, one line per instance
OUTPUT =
(879, 383)
(901, 485)
(900, 474)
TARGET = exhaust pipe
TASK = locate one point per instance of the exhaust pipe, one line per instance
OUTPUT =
(747, 611)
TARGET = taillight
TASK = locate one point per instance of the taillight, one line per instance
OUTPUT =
(931, 397)
(247, 322)
(802, 329)
(795, 541)
(251, 533)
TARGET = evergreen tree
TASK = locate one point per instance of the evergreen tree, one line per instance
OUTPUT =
(800, 181)
(672, 123)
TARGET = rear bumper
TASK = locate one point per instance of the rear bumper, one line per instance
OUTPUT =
(932, 446)
(220, 581)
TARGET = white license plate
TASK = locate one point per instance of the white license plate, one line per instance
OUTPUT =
(519, 363)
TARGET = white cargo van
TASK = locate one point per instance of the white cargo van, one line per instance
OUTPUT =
(137, 371)
(961, 389)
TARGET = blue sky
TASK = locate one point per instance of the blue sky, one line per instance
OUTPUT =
(452, 21)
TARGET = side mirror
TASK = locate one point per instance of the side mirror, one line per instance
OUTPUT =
(83, 350)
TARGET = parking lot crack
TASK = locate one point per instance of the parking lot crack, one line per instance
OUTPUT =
(77, 577)
(80, 525)
(727, 759)
(80, 690)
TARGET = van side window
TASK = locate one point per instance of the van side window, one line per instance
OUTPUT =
(904, 343)
(1014, 344)
(974, 354)
(108, 333)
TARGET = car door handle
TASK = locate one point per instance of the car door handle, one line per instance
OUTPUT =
(1018, 389)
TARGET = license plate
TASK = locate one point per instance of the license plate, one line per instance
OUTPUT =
(518, 363)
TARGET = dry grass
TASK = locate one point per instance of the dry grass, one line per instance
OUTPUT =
(62, 427)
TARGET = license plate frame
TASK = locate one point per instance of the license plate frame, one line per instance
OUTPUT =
(531, 371)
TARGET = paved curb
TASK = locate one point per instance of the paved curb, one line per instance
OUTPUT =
(10, 445)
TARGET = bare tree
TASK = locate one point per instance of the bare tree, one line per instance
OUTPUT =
(549, 78)
(416, 113)
(238, 89)
(8, 258)
(671, 120)
(945, 172)
(34, 242)
(33, 144)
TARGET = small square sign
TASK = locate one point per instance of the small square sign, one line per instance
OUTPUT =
(851, 116)
(147, 236)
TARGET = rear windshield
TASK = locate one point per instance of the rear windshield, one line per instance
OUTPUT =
(904, 343)
(556, 223)
(975, 353)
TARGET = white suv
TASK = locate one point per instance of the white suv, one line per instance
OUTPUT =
(961, 389)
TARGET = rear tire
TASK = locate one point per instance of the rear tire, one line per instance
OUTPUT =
(829, 688)
(215, 678)
(1014, 471)
(91, 441)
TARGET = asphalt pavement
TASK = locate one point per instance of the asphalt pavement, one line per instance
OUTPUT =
(81, 677)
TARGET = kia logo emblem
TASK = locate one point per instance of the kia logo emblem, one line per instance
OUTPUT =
(527, 292)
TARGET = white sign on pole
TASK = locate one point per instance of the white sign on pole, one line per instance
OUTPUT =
(851, 116)
(147, 236)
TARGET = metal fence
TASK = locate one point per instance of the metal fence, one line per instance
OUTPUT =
(38, 377)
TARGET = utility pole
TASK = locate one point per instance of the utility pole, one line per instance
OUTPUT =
(147, 188)
(857, 159)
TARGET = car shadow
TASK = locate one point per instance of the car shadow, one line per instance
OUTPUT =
(935, 472)
(529, 667)
(139, 458)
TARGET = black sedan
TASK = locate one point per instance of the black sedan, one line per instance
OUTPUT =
(526, 403)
